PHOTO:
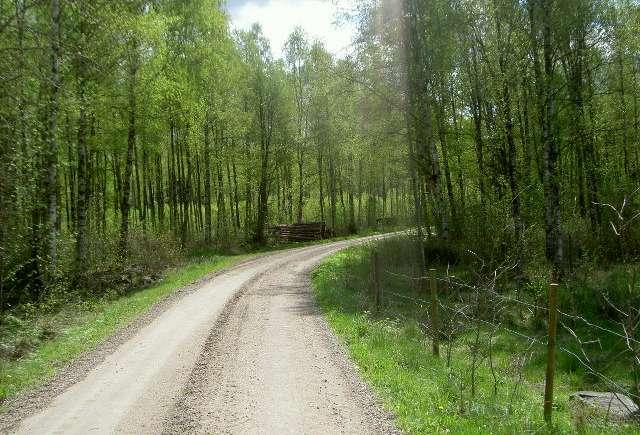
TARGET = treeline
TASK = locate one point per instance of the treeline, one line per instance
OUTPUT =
(511, 127)
(523, 123)
(126, 125)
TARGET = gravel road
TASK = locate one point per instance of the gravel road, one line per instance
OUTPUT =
(244, 351)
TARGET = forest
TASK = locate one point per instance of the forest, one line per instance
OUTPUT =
(505, 133)
(133, 128)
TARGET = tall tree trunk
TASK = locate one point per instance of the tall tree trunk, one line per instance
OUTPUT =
(221, 209)
(320, 183)
(207, 184)
(236, 197)
(352, 215)
(461, 184)
(444, 148)
(230, 196)
(103, 216)
(248, 199)
(160, 190)
(476, 112)
(197, 204)
(341, 196)
(300, 185)
(117, 182)
(71, 175)
(551, 151)
(51, 152)
(263, 192)
(131, 146)
(289, 178)
(173, 181)
(139, 193)
(185, 183)
(332, 192)
(148, 187)
(262, 197)
(507, 118)
(623, 115)
(81, 225)
(523, 117)
(539, 80)
(512, 166)
(584, 152)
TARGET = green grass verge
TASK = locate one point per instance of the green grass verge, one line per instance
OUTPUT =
(84, 326)
(426, 395)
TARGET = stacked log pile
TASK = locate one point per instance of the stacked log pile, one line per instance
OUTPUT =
(301, 232)
(386, 221)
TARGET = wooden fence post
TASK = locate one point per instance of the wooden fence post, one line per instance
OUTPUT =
(375, 279)
(435, 321)
(551, 351)
(447, 286)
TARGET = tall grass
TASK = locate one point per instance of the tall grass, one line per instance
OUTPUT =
(486, 381)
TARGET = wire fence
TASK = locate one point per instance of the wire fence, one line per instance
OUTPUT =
(468, 306)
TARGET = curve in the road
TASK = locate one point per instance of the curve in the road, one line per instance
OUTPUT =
(244, 352)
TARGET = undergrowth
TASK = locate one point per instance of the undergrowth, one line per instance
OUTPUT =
(485, 381)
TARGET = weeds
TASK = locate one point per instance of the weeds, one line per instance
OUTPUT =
(487, 381)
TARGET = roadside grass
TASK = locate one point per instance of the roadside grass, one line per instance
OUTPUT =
(427, 395)
(81, 326)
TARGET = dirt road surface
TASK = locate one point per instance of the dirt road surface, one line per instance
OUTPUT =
(244, 352)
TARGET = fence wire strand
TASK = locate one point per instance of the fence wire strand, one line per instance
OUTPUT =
(583, 359)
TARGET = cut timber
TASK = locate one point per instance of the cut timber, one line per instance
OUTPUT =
(301, 232)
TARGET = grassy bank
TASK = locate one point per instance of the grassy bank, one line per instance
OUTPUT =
(61, 336)
(474, 387)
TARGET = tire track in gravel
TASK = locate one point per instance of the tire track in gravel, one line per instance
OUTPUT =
(271, 365)
(31, 401)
